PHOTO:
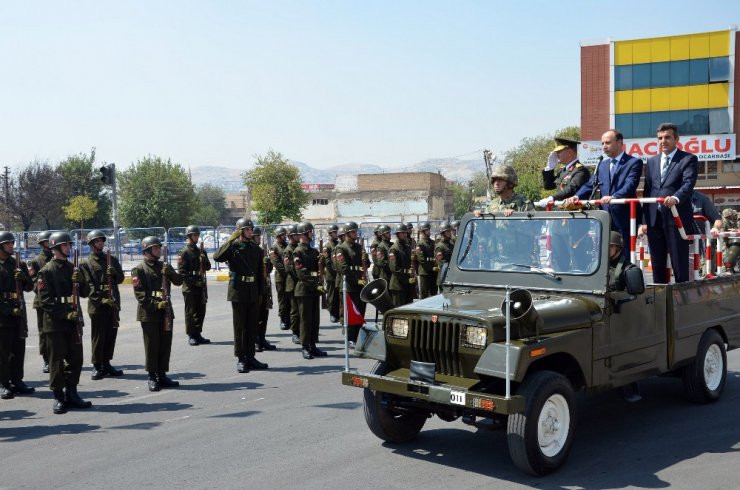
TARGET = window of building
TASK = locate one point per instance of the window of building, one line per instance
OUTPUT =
(320, 202)
(731, 167)
(679, 73)
(660, 74)
(624, 124)
(707, 170)
(656, 119)
(699, 71)
(641, 76)
(698, 121)
(623, 77)
(719, 69)
(680, 119)
(641, 126)
(719, 121)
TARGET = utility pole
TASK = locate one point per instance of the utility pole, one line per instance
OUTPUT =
(108, 176)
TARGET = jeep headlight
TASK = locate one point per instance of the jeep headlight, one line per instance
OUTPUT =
(475, 336)
(400, 328)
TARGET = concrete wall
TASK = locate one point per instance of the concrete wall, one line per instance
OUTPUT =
(400, 181)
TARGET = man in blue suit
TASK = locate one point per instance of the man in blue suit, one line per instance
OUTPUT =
(616, 177)
(670, 174)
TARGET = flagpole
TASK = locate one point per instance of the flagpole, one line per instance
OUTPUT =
(345, 321)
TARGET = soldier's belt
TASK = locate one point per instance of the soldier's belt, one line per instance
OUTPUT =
(314, 274)
(245, 278)
(103, 287)
(355, 268)
(9, 295)
(429, 259)
(64, 300)
(192, 273)
(157, 294)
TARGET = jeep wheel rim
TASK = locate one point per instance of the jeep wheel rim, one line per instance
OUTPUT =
(713, 367)
(553, 425)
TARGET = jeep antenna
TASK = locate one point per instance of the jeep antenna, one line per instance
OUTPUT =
(488, 158)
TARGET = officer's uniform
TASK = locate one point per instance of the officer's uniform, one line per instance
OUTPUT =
(192, 264)
(338, 276)
(373, 252)
(245, 287)
(567, 179)
(13, 328)
(276, 258)
(306, 266)
(443, 252)
(330, 275)
(399, 262)
(349, 256)
(104, 317)
(265, 302)
(382, 255)
(147, 281)
(291, 279)
(427, 269)
(34, 266)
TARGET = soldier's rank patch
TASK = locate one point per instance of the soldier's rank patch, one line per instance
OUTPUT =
(439, 255)
(286, 261)
(180, 260)
(135, 281)
(41, 284)
(339, 256)
(391, 256)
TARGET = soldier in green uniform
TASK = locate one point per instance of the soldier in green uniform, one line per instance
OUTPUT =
(427, 268)
(34, 266)
(245, 288)
(56, 284)
(352, 263)
(381, 255)
(307, 291)
(262, 344)
(192, 264)
(155, 311)
(339, 277)
(374, 251)
(443, 248)
(103, 310)
(503, 180)
(291, 279)
(731, 222)
(330, 274)
(13, 320)
(455, 224)
(399, 261)
(567, 178)
(276, 257)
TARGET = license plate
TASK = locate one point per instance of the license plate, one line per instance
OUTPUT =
(457, 397)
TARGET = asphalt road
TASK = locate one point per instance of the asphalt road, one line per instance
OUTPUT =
(295, 425)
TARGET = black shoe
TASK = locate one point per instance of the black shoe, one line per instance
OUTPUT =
(111, 371)
(351, 344)
(242, 366)
(255, 364)
(318, 352)
(45, 369)
(258, 347)
(166, 382)
(202, 339)
(307, 354)
(153, 384)
(333, 319)
(193, 341)
(21, 388)
(284, 326)
(60, 406)
(266, 345)
(97, 373)
(296, 340)
(73, 400)
(6, 392)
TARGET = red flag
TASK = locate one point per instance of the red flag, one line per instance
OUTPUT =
(354, 317)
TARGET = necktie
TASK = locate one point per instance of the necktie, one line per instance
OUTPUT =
(663, 165)
(612, 167)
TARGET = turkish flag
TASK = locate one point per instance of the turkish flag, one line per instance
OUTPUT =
(353, 314)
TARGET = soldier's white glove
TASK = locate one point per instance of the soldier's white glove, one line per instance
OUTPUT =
(552, 161)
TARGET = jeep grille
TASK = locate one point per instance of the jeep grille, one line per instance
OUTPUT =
(438, 343)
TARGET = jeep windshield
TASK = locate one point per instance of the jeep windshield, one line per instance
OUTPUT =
(569, 246)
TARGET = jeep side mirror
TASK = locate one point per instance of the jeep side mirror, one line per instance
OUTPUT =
(634, 281)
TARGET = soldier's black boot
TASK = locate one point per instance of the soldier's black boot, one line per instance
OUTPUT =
(111, 371)
(6, 392)
(166, 382)
(193, 341)
(21, 388)
(60, 406)
(258, 347)
(306, 352)
(153, 383)
(97, 372)
(202, 339)
(318, 352)
(296, 340)
(242, 366)
(45, 366)
(265, 344)
(284, 325)
(73, 399)
(255, 364)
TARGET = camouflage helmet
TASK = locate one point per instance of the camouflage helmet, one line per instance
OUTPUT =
(94, 235)
(402, 228)
(615, 238)
(350, 226)
(150, 242)
(280, 230)
(59, 237)
(383, 229)
(445, 226)
(505, 172)
(729, 213)
(244, 223)
(6, 236)
(192, 229)
(304, 227)
(44, 236)
(257, 231)
(333, 228)
(425, 225)
(292, 230)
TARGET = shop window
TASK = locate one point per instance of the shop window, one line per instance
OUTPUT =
(699, 71)
(731, 167)
(699, 121)
(641, 76)
(707, 170)
(719, 69)
(660, 74)
(624, 124)
(719, 121)
(623, 77)
(320, 202)
(679, 73)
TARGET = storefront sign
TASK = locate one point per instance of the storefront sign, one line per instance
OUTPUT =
(706, 147)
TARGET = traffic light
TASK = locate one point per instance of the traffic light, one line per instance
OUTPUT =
(107, 174)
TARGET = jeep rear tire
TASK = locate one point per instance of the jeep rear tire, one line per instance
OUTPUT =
(390, 426)
(704, 378)
(540, 438)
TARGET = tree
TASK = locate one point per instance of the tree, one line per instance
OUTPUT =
(276, 190)
(80, 209)
(36, 193)
(530, 157)
(211, 209)
(155, 192)
(81, 177)
(462, 199)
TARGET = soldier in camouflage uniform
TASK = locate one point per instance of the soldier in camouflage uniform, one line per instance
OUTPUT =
(351, 263)
(152, 311)
(399, 261)
(34, 266)
(330, 275)
(503, 180)
(427, 268)
(276, 258)
(103, 310)
(13, 320)
(443, 248)
(262, 344)
(291, 280)
(571, 174)
(308, 291)
(192, 264)
(731, 222)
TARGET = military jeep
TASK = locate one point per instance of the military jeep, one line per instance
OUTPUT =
(525, 319)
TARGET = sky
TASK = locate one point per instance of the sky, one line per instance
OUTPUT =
(331, 82)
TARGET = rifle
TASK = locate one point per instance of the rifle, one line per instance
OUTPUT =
(117, 315)
(268, 283)
(488, 158)
(19, 297)
(363, 259)
(166, 293)
(322, 266)
(203, 276)
(414, 269)
(76, 305)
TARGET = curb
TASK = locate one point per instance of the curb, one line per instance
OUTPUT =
(216, 277)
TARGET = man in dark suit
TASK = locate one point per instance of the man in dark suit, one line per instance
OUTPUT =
(616, 177)
(670, 174)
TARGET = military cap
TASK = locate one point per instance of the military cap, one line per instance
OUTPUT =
(729, 213)
(506, 173)
(59, 237)
(615, 238)
(257, 231)
(44, 236)
(384, 229)
(425, 225)
(150, 242)
(244, 223)
(402, 228)
(192, 229)
(350, 226)
(94, 235)
(333, 228)
(280, 230)
(563, 143)
(446, 226)
(455, 224)
(292, 230)
(304, 228)
(6, 236)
